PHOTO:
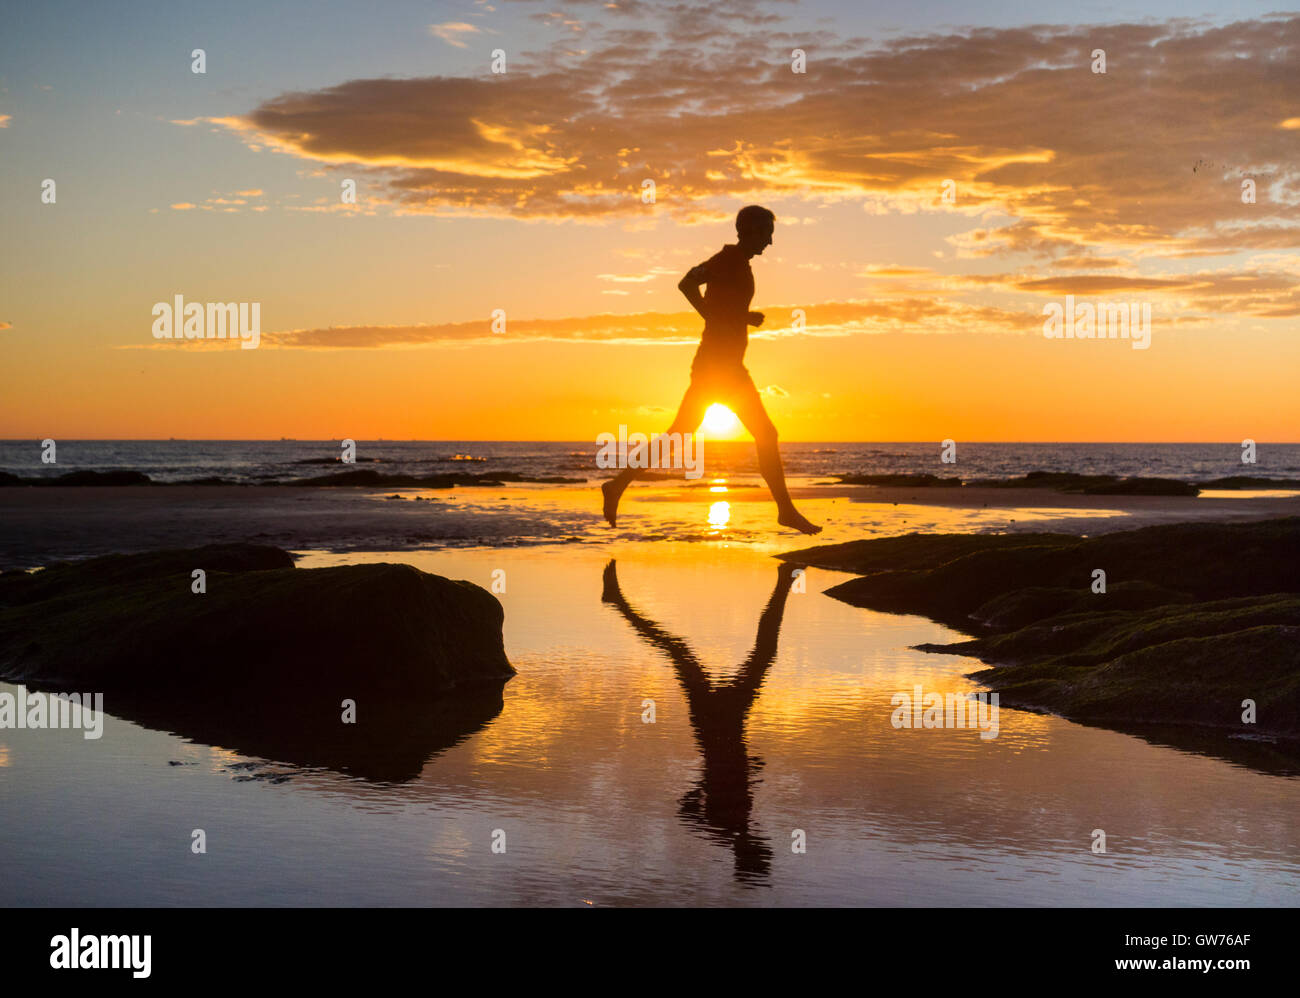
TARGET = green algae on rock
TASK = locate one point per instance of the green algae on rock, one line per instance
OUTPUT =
(1196, 618)
(135, 622)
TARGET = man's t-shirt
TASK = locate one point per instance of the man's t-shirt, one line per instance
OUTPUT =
(728, 290)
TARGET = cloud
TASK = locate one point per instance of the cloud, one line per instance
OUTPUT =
(652, 274)
(1271, 290)
(452, 31)
(893, 270)
(231, 203)
(934, 306)
(1093, 284)
(1068, 182)
(914, 314)
(1087, 261)
(1014, 117)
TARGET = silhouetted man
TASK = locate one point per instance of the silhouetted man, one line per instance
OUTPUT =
(718, 372)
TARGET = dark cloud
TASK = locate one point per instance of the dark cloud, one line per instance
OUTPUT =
(706, 105)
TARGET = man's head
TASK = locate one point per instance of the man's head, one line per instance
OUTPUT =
(754, 225)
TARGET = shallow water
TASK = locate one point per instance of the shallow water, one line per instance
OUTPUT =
(599, 807)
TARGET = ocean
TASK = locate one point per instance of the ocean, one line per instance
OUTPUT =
(266, 461)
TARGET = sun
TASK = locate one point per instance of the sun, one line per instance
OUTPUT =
(719, 421)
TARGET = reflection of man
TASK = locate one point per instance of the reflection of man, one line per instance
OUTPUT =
(718, 372)
(723, 798)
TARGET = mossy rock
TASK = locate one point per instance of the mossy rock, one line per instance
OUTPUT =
(1196, 617)
(133, 623)
(1201, 680)
(949, 577)
(1025, 606)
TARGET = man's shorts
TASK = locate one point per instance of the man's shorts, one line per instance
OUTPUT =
(726, 381)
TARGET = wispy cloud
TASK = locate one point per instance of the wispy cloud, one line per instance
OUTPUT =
(453, 32)
(916, 314)
(934, 307)
(652, 274)
(230, 203)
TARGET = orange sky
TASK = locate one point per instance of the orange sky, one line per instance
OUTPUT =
(522, 192)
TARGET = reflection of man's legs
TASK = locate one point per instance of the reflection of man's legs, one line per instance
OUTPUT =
(723, 798)
(745, 402)
(689, 416)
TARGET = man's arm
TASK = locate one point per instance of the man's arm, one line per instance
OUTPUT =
(690, 287)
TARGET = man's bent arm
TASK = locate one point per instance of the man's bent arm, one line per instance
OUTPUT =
(690, 287)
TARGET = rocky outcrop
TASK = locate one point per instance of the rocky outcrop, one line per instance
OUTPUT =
(1194, 620)
(134, 622)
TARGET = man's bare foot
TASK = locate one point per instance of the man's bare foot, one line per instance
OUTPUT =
(793, 518)
(612, 496)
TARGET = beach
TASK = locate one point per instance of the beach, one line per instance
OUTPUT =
(40, 525)
(599, 806)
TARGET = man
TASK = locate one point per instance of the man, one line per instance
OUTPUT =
(718, 372)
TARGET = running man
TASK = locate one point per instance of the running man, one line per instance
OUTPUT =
(718, 372)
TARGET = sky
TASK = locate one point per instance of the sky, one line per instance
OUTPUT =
(937, 180)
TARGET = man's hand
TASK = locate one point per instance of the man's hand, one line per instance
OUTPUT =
(755, 318)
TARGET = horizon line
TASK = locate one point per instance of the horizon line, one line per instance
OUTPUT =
(560, 440)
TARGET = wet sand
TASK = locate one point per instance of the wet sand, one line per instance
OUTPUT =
(42, 525)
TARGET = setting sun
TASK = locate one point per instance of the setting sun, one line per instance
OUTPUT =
(719, 421)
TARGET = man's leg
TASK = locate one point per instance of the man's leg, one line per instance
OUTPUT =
(748, 405)
(689, 416)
